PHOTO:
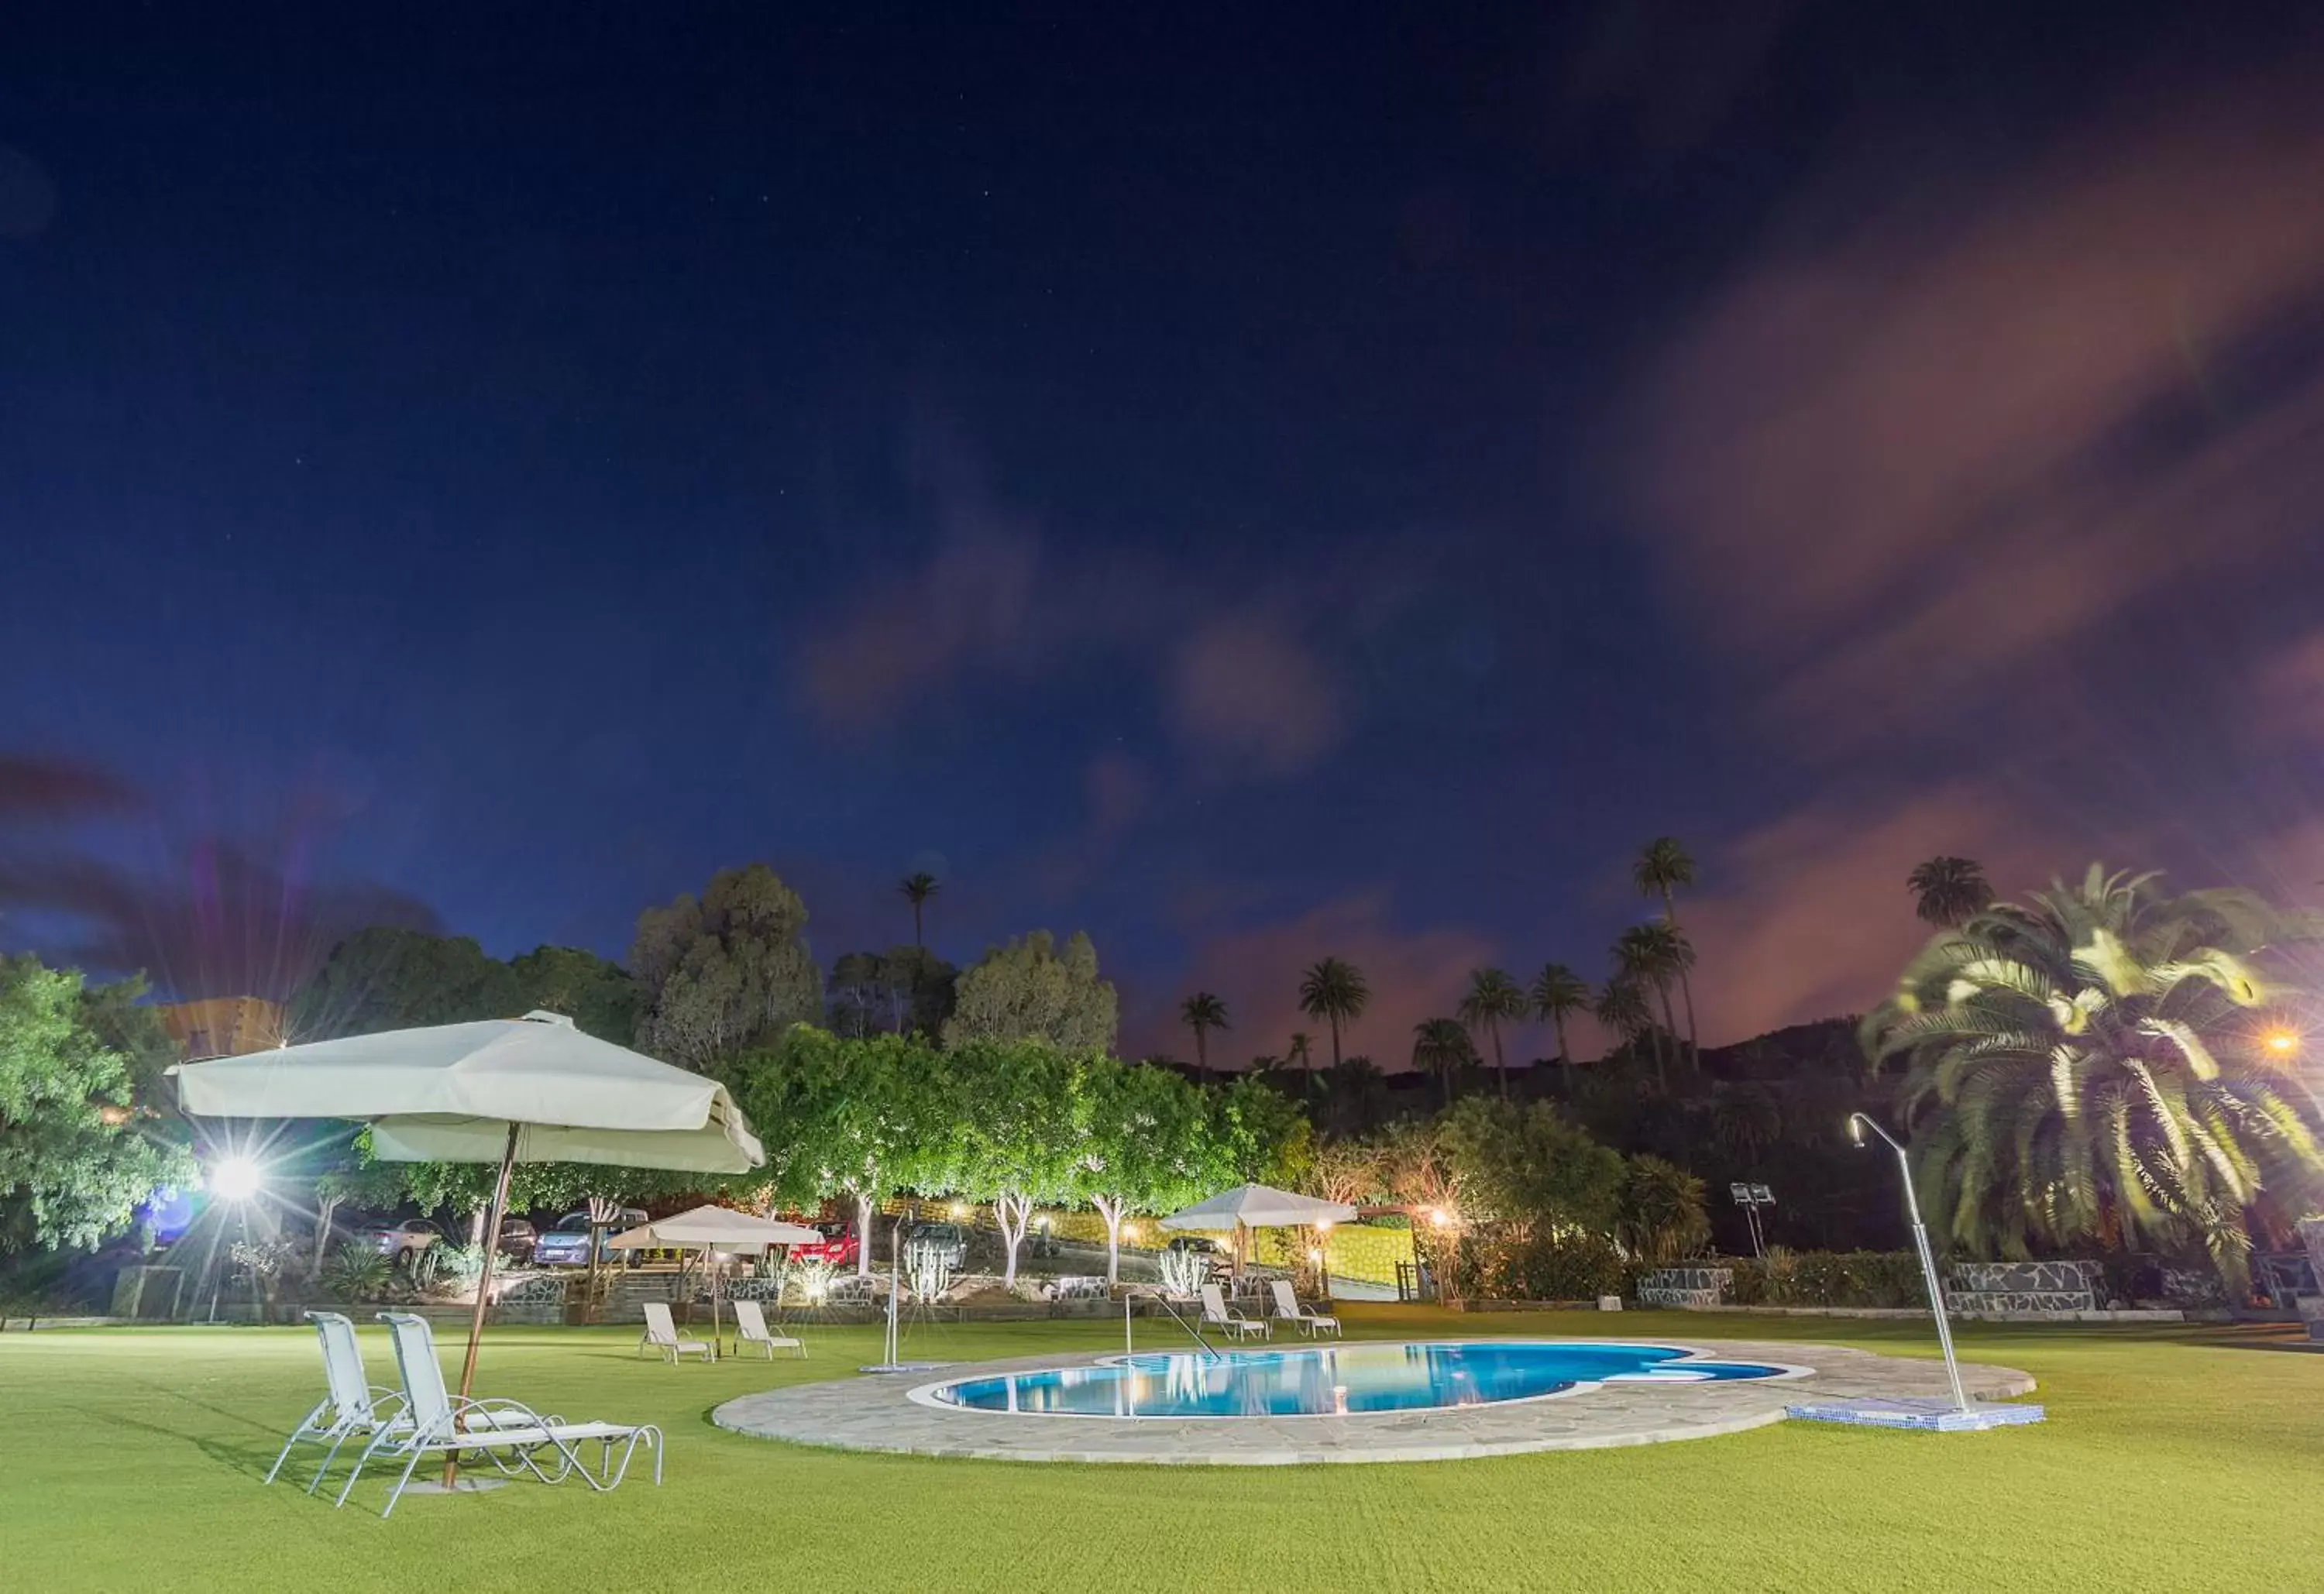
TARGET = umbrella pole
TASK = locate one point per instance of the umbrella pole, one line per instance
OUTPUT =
(492, 1215)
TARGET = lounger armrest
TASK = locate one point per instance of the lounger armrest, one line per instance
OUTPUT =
(490, 1414)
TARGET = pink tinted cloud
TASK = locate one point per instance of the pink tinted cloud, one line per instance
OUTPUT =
(1414, 974)
(1254, 699)
(1917, 441)
(1810, 915)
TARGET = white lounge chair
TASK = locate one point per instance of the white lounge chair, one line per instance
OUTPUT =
(1216, 1315)
(662, 1335)
(1288, 1310)
(512, 1437)
(352, 1405)
(750, 1329)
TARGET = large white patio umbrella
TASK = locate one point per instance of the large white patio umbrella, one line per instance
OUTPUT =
(709, 1229)
(1258, 1206)
(502, 1090)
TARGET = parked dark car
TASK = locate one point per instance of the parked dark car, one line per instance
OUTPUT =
(568, 1244)
(950, 1241)
(402, 1242)
(519, 1240)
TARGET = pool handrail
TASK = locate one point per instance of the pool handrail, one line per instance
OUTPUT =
(1162, 1298)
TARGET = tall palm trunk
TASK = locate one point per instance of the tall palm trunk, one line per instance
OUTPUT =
(1501, 1063)
(1202, 1055)
(1670, 1024)
(1335, 1044)
(919, 941)
(1685, 985)
(1564, 1058)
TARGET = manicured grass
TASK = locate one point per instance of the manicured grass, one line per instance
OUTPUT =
(2182, 1459)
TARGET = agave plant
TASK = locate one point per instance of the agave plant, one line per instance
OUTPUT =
(2096, 1066)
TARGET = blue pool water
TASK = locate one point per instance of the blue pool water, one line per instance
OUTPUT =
(1321, 1380)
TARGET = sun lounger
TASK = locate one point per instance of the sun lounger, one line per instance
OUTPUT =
(512, 1437)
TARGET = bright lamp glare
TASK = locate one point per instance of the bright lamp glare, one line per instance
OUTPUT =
(1856, 1130)
(2283, 1042)
(234, 1179)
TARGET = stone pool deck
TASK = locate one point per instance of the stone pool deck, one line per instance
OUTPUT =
(876, 1413)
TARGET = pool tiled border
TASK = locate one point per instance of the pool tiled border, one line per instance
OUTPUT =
(875, 1414)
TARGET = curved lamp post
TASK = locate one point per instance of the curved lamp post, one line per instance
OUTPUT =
(1857, 1124)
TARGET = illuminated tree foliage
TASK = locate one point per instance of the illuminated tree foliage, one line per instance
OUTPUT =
(2092, 1066)
(79, 1150)
(1030, 990)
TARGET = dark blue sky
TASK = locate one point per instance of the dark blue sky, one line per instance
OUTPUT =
(1249, 486)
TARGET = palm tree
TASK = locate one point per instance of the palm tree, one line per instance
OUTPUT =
(1649, 955)
(1334, 990)
(1623, 1008)
(916, 889)
(1201, 1013)
(2094, 1065)
(1493, 996)
(1558, 991)
(1301, 1055)
(1662, 867)
(1948, 890)
(1441, 1047)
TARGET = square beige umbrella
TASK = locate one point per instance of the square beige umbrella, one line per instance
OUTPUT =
(501, 1090)
(1258, 1206)
(710, 1229)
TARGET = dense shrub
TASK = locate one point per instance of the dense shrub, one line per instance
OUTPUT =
(1663, 1216)
(1828, 1278)
(1571, 1266)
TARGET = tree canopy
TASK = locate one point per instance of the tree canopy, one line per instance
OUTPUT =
(1030, 990)
(79, 1151)
(727, 973)
(2093, 1065)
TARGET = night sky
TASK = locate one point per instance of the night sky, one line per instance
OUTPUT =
(1251, 482)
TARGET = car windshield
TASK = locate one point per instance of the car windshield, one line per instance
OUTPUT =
(577, 1223)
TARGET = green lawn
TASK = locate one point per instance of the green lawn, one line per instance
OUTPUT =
(2185, 1460)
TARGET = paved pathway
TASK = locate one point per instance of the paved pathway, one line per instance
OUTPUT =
(876, 1413)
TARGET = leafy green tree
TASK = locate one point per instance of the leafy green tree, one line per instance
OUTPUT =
(853, 1118)
(1491, 998)
(916, 890)
(1025, 1109)
(1664, 865)
(1261, 1135)
(1557, 994)
(383, 979)
(1665, 1218)
(1440, 1046)
(1201, 1013)
(1150, 1146)
(1334, 991)
(598, 996)
(2094, 1065)
(1030, 991)
(1947, 889)
(728, 973)
(1527, 1165)
(79, 1150)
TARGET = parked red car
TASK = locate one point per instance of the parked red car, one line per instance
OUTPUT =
(838, 1245)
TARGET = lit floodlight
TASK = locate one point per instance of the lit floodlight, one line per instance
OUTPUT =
(2283, 1042)
(235, 1179)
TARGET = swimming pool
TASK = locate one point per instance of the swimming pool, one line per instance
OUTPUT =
(1336, 1379)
